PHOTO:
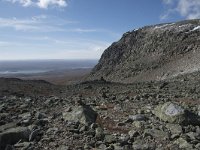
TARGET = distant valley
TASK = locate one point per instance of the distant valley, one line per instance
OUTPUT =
(54, 71)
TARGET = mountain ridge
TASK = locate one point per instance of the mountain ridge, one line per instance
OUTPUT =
(151, 53)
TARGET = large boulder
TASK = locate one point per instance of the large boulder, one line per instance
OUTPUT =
(173, 113)
(14, 135)
(170, 112)
(83, 114)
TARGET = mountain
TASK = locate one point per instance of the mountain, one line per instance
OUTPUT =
(102, 115)
(152, 53)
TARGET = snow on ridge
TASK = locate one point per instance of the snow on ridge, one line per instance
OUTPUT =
(163, 26)
(184, 25)
(196, 28)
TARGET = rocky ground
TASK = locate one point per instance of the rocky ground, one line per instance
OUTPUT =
(103, 116)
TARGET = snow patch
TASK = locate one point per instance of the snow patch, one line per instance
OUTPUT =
(196, 28)
(163, 26)
(184, 25)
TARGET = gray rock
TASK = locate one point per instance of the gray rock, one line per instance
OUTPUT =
(183, 144)
(142, 145)
(82, 129)
(138, 117)
(63, 147)
(170, 112)
(123, 139)
(197, 146)
(23, 146)
(83, 114)
(102, 147)
(40, 115)
(133, 133)
(34, 134)
(25, 115)
(14, 135)
(118, 146)
(191, 135)
(99, 133)
(174, 128)
(157, 134)
(109, 139)
(139, 124)
(7, 126)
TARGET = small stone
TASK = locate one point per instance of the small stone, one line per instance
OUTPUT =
(34, 134)
(197, 146)
(124, 139)
(24, 145)
(63, 147)
(191, 135)
(138, 117)
(102, 147)
(40, 115)
(82, 129)
(142, 145)
(155, 133)
(174, 128)
(93, 126)
(133, 133)
(138, 124)
(99, 134)
(121, 124)
(109, 139)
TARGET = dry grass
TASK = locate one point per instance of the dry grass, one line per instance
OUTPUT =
(110, 125)
(188, 101)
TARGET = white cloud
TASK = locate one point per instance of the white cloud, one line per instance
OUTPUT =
(39, 48)
(168, 1)
(24, 3)
(44, 4)
(22, 24)
(80, 30)
(43, 23)
(40, 23)
(189, 9)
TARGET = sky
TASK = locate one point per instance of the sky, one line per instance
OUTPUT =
(79, 29)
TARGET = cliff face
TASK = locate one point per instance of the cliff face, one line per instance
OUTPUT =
(155, 52)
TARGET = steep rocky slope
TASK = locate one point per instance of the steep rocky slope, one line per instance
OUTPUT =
(152, 53)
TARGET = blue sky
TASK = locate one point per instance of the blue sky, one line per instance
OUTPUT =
(79, 29)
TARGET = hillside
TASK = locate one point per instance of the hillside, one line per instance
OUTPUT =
(154, 52)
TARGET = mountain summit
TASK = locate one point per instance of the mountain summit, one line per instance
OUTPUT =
(152, 53)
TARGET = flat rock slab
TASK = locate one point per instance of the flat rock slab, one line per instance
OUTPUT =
(83, 114)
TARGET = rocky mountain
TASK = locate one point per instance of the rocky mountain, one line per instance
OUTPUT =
(154, 52)
(102, 115)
